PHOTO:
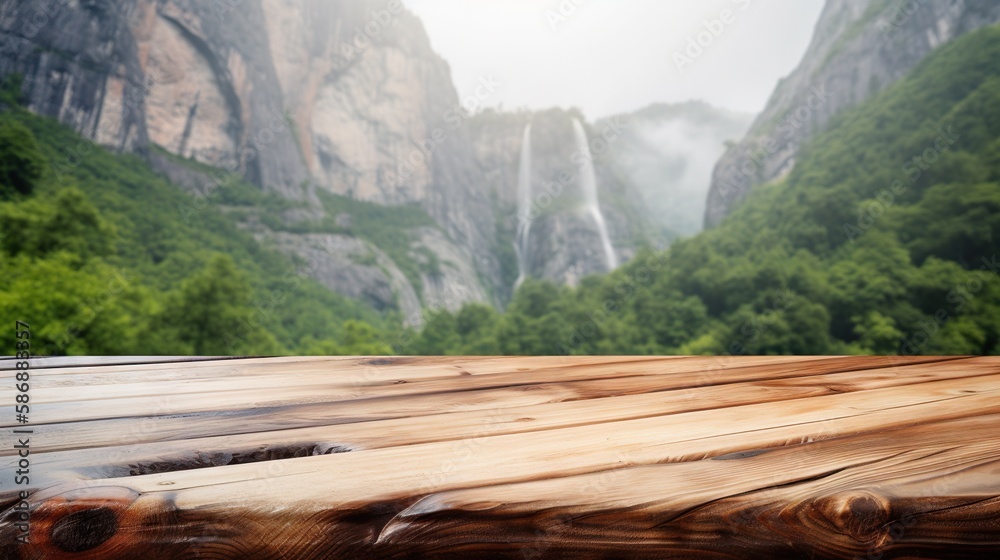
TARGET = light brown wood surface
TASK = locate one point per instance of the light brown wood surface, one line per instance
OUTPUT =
(601, 457)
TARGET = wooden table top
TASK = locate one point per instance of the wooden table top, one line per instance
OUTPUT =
(521, 458)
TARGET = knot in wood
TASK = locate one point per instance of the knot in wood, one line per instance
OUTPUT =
(84, 530)
(863, 516)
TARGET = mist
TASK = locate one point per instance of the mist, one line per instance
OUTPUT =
(668, 153)
(614, 57)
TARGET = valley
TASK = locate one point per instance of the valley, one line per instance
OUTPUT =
(316, 164)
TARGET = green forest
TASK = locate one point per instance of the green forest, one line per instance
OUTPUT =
(882, 240)
(101, 256)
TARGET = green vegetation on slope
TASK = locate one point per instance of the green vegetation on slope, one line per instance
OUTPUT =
(884, 239)
(102, 256)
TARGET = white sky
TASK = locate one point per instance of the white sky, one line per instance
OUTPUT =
(611, 56)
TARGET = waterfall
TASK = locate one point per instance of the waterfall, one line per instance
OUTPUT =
(523, 207)
(588, 184)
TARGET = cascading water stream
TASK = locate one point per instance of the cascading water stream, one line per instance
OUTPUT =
(523, 207)
(588, 184)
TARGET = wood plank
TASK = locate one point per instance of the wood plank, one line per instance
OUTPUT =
(41, 363)
(676, 437)
(649, 440)
(102, 461)
(909, 484)
(344, 373)
(158, 428)
(158, 370)
(609, 457)
(648, 375)
(278, 372)
(315, 496)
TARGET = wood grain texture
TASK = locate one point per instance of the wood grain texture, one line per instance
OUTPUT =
(527, 458)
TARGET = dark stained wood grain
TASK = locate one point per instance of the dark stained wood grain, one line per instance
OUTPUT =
(448, 458)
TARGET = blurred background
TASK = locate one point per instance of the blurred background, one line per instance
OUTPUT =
(265, 177)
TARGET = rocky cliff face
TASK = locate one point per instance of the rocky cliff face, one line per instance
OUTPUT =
(214, 94)
(376, 115)
(293, 95)
(306, 96)
(80, 64)
(190, 76)
(376, 118)
(859, 48)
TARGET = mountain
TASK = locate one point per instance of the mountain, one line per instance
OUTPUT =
(324, 149)
(334, 107)
(299, 97)
(881, 240)
(653, 167)
(859, 48)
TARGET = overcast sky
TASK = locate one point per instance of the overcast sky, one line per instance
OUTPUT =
(610, 56)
